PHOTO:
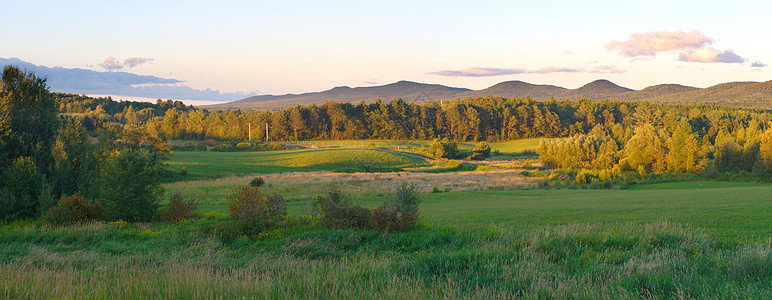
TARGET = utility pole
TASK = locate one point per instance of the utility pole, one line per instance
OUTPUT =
(250, 131)
(266, 132)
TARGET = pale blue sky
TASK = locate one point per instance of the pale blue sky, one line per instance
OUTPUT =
(300, 46)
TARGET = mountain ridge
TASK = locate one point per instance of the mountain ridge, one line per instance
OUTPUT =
(750, 94)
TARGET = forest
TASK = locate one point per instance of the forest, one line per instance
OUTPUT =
(581, 134)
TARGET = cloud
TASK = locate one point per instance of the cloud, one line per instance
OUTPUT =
(479, 72)
(607, 70)
(371, 81)
(710, 55)
(136, 61)
(691, 46)
(111, 64)
(649, 43)
(556, 70)
(82, 81)
(758, 64)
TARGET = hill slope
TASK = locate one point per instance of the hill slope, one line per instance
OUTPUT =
(406, 90)
(739, 94)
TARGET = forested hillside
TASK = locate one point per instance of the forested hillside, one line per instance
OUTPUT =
(737, 94)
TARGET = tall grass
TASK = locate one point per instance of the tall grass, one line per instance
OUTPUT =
(656, 260)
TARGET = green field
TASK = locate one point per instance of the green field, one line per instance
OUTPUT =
(673, 240)
(712, 206)
(698, 239)
(213, 164)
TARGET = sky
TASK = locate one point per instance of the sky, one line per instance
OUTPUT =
(227, 50)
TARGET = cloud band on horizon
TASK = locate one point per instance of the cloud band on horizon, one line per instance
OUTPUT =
(484, 72)
(82, 81)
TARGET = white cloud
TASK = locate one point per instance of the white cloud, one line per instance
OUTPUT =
(710, 55)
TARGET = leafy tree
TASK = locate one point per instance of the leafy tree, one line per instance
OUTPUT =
(647, 148)
(22, 185)
(131, 189)
(28, 118)
(28, 127)
(685, 150)
(765, 149)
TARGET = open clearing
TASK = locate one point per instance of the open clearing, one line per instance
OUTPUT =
(214, 164)
(478, 199)
(507, 148)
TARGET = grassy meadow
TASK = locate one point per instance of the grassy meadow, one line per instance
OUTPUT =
(483, 234)
(220, 164)
(506, 148)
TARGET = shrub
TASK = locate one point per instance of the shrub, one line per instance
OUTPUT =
(254, 213)
(385, 219)
(256, 182)
(443, 148)
(335, 212)
(222, 148)
(400, 212)
(476, 156)
(180, 208)
(482, 149)
(73, 209)
(245, 146)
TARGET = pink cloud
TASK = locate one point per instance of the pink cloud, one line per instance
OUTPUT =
(557, 70)
(479, 72)
(758, 64)
(136, 61)
(710, 55)
(607, 69)
(649, 43)
(111, 64)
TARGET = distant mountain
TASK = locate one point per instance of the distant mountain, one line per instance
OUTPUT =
(597, 89)
(740, 94)
(406, 90)
(510, 89)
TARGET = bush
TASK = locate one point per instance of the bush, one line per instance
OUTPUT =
(483, 149)
(254, 213)
(222, 148)
(476, 156)
(443, 148)
(256, 182)
(73, 209)
(180, 208)
(245, 146)
(335, 212)
(385, 219)
(400, 212)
